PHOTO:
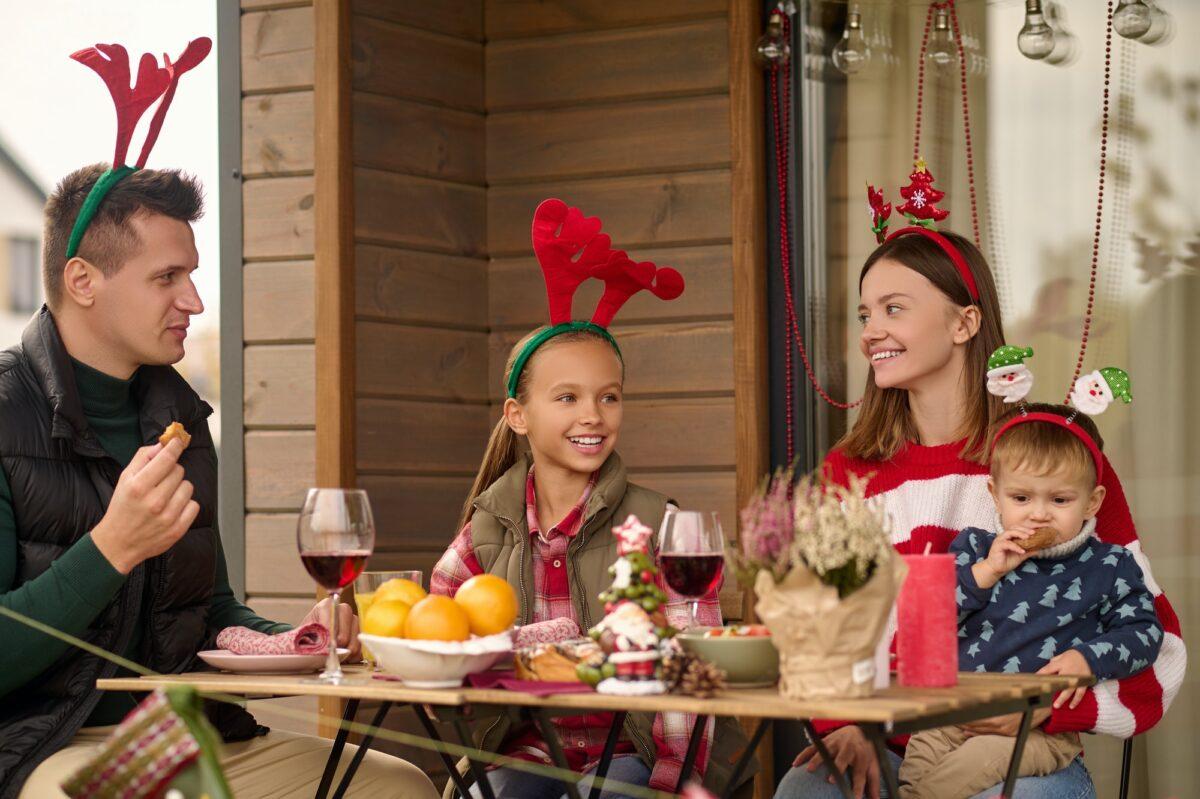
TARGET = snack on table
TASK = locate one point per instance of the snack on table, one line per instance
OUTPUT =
(1042, 538)
(557, 662)
(175, 430)
(739, 631)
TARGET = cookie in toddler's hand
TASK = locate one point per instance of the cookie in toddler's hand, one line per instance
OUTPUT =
(1042, 538)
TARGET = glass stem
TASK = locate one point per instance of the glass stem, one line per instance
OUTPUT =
(694, 610)
(333, 666)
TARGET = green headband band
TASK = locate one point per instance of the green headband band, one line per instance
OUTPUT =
(547, 334)
(92, 204)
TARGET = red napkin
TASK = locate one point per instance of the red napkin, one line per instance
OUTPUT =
(504, 679)
(311, 639)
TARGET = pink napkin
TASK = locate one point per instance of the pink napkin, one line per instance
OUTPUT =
(311, 639)
(547, 632)
(506, 680)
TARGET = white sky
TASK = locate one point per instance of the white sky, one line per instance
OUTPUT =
(58, 115)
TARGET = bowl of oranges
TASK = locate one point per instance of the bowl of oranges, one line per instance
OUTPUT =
(433, 641)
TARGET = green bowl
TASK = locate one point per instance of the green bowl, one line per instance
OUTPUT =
(747, 661)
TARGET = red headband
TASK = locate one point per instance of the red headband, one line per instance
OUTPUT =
(1054, 418)
(950, 250)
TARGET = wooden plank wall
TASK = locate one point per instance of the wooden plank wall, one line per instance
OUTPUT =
(622, 109)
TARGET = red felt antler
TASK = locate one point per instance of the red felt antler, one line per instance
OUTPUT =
(196, 51)
(560, 233)
(623, 277)
(111, 63)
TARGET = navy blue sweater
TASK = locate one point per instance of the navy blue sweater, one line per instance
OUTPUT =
(1092, 599)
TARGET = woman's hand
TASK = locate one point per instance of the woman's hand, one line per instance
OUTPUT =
(1073, 663)
(1004, 725)
(851, 751)
(1004, 556)
(347, 626)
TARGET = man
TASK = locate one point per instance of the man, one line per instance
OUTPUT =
(106, 534)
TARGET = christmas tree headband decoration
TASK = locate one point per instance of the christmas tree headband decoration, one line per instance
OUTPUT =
(1010, 378)
(919, 206)
(111, 63)
(571, 249)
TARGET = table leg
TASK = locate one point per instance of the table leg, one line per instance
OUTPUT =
(335, 754)
(878, 737)
(744, 760)
(478, 770)
(1014, 765)
(839, 778)
(693, 749)
(363, 746)
(447, 761)
(610, 746)
(550, 736)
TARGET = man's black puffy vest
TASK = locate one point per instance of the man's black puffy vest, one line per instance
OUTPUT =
(62, 481)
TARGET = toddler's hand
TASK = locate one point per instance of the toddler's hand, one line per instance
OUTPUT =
(1005, 554)
(1070, 662)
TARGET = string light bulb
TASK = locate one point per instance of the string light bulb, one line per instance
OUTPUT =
(852, 53)
(1132, 19)
(773, 46)
(941, 50)
(1036, 38)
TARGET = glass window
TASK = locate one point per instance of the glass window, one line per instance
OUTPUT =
(25, 280)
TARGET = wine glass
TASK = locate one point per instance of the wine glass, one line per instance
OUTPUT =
(691, 553)
(335, 536)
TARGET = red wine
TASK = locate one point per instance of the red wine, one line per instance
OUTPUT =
(334, 571)
(692, 575)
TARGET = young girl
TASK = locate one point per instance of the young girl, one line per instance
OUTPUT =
(930, 318)
(540, 514)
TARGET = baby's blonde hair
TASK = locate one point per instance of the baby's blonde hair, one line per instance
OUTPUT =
(1043, 448)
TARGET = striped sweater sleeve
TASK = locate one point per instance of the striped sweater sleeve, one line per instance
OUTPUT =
(1135, 704)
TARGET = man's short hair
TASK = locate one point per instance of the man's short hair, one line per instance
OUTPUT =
(110, 239)
(1043, 448)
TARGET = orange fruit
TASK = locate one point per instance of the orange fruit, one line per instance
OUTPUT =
(398, 588)
(437, 618)
(490, 603)
(386, 617)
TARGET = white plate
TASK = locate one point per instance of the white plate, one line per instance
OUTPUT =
(225, 660)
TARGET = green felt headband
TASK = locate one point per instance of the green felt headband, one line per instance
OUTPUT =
(92, 204)
(541, 338)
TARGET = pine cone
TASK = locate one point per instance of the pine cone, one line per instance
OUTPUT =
(702, 679)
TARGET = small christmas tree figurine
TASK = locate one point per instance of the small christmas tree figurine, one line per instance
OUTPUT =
(919, 198)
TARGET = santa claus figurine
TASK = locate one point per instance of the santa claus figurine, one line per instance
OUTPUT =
(1007, 374)
(1096, 391)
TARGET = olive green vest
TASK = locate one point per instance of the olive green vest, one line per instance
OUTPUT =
(500, 540)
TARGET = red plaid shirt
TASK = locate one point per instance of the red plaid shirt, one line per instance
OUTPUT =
(582, 736)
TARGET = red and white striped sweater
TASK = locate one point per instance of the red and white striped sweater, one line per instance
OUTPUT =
(930, 494)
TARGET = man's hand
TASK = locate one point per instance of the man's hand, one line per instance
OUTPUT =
(1073, 663)
(852, 754)
(1005, 725)
(347, 626)
(1004, 556)
(151, 508)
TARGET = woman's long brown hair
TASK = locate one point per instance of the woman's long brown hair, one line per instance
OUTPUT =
(885, 423)
(504, 446)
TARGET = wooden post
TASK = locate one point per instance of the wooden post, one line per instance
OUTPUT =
(750, 368)
(333, 259)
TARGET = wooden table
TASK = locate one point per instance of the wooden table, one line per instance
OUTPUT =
(893, 711)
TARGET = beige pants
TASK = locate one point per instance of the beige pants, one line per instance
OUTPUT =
(946, 764)
(279, 764)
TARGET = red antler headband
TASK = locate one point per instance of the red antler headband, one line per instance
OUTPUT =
(111, 63)
(1065, 424)
(920, 197)
(571, 249)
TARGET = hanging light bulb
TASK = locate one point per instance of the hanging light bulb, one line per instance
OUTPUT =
(773, 46)
(941, 50)
(1036, 39)
(851, 54)
(1132, 18)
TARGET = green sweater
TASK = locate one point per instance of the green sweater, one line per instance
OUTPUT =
(81, 582)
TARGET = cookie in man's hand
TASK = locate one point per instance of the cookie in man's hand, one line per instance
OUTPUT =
(175, 430)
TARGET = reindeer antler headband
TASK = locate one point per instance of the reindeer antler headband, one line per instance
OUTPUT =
(919, 206)
(571, 249)
(111, 63)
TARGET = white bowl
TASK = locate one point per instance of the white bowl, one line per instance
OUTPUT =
(437, 664)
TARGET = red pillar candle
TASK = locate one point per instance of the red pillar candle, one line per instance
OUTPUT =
(927, 623)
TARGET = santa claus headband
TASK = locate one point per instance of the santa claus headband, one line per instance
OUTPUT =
(919, 206)
(111, 63)
(1010, 378)
(571, 249)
